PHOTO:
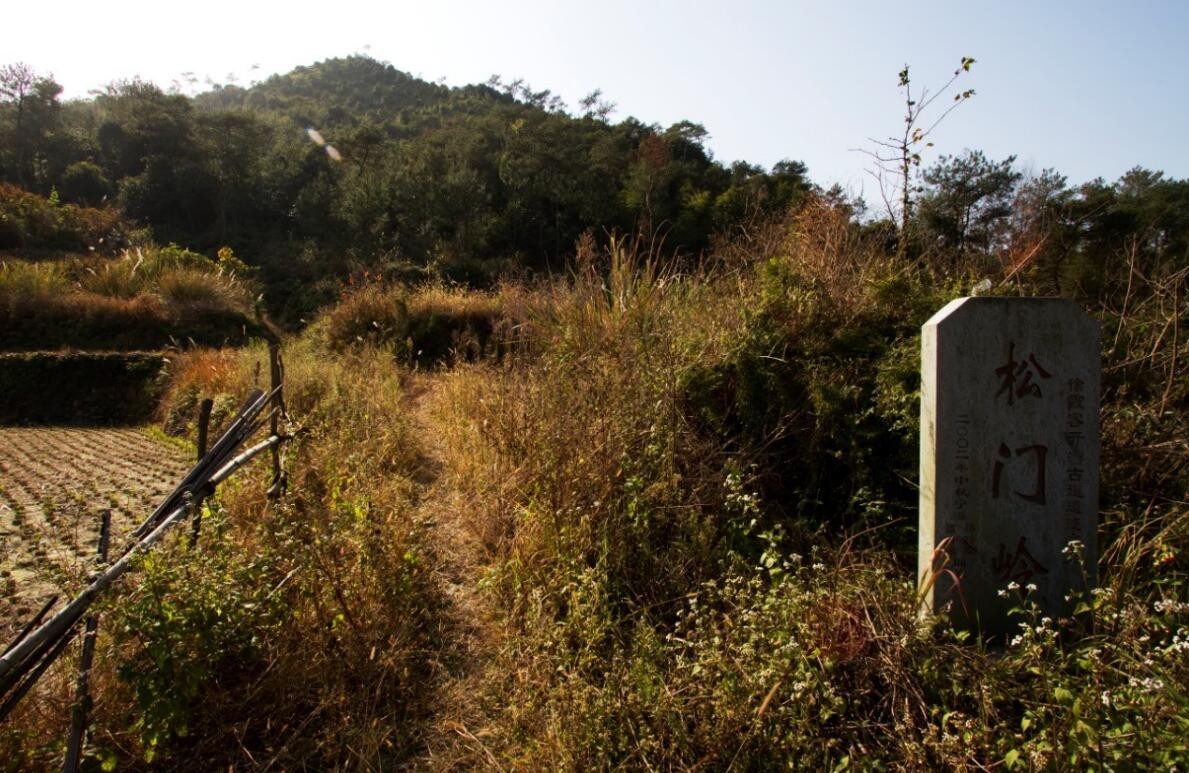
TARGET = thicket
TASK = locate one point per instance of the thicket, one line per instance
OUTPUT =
(692, 491)
(36, 225)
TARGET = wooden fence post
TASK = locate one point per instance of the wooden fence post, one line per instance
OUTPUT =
(204, 425)
(82, 698)
(277, 387)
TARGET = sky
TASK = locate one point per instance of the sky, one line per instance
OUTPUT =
(1088, 88)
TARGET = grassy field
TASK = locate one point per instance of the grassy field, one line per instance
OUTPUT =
(648, 515)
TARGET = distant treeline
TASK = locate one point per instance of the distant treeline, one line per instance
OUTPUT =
(474, 182)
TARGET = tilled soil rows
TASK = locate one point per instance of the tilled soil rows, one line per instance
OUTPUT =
(55, 483)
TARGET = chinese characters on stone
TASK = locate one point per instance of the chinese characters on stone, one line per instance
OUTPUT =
(1019, 379)
(1016, 377)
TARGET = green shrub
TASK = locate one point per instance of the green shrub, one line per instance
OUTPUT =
(31, 223)
(84, 183)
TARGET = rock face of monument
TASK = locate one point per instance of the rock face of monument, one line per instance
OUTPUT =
(1009, 457)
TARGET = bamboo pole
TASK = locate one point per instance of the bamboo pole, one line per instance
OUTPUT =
(225, 472)
(33, 623)
(37, 668)
(82, 699)
(204, 424)
(228, 442)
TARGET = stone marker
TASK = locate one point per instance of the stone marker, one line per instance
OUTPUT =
(1009, 456)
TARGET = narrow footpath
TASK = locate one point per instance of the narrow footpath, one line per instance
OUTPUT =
(466, 633)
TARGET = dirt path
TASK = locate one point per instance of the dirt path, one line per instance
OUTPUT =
(54, 484)
(466, 631)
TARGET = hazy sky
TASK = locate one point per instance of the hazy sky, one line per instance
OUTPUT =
(1091, 88)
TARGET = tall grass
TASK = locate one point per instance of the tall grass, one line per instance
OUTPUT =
(693, 493)
(430, 325)
(147, 299)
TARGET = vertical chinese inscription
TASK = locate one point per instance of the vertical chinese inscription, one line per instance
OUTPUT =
(1075, 422)
(957, 539)
(1009, 454)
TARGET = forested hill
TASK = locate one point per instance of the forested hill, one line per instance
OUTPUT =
(334, 93)
(467, 182)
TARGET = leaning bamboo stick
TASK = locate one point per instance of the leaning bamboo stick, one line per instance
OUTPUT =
(15, 662)
(33, 623)
(214, 458)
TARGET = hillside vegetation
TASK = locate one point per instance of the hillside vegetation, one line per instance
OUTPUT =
(74, 282)
(654, 509)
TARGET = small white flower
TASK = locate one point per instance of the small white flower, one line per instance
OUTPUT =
(1013, 585)
(1031, 587)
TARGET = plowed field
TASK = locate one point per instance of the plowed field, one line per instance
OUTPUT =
(55, 483)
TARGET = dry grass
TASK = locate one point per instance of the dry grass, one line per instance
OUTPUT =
(655, 611)
(146, 299)
(686, 494)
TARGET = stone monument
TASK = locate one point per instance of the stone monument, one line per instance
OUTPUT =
(1009, 458)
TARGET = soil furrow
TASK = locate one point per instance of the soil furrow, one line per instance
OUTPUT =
(55, 483)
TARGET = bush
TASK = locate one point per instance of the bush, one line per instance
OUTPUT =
(31, 223)
(84, 183)
(429, 325)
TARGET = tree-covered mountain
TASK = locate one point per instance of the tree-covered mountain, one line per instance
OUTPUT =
(473, 181)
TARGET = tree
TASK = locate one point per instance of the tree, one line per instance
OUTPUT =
(897, 156)
(28, 117)
(1041, 231)
(967, 201)
(83, 183)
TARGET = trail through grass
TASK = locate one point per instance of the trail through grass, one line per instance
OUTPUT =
(466, 634)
